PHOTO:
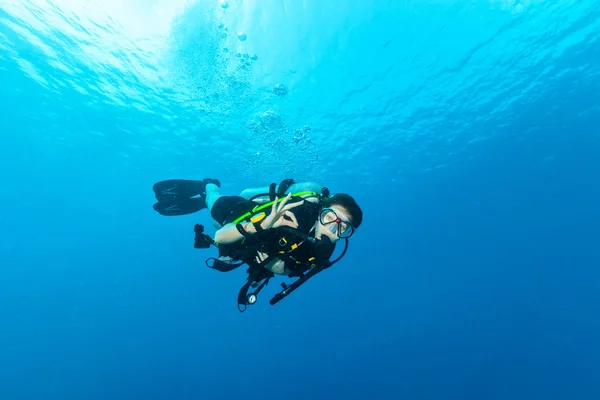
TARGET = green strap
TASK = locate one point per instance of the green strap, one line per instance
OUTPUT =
(270, 203)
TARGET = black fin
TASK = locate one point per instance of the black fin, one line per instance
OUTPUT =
(178, 189)
(181, 196)
(180, 207)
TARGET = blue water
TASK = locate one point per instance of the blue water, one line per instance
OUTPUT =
(467, 131)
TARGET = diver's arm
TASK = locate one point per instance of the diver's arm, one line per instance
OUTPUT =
(276, 218)
(230, 234)
(277, 266)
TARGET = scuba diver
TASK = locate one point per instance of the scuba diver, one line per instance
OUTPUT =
(288, 229)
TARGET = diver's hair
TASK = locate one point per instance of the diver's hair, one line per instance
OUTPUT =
(348, 203)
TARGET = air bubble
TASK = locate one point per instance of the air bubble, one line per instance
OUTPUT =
(224, 3)
(280, 90)
(241, 36)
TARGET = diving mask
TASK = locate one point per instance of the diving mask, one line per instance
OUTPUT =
(335, 224)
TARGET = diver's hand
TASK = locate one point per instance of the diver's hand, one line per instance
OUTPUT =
(276, 265)
(278, 213)
(260, 257)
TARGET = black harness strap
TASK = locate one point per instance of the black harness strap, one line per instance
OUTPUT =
(272, 193)
(283, 187)
(222, 266)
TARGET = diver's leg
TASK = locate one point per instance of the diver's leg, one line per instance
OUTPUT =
(213, 192)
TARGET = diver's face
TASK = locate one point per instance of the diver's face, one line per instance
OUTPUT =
(334, 222)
